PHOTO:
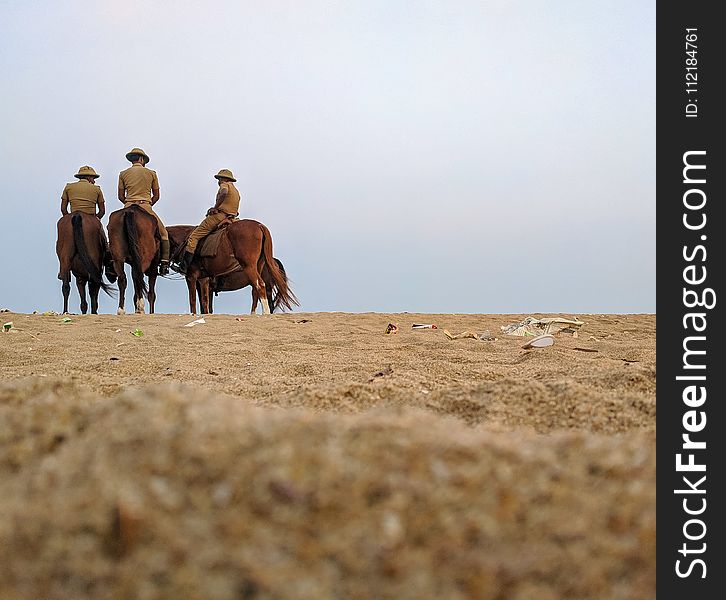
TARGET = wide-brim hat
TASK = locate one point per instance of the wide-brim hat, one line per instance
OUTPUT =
(86, 171)
(137, 152)
(225, 174)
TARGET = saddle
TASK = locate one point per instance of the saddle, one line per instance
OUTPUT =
(209, 245)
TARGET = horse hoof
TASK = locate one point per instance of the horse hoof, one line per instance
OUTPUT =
(120, 311)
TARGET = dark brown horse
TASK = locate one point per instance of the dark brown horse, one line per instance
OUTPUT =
(133, 236)
(82, 250)
(247, 245)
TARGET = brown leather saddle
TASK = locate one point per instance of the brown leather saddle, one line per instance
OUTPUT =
(209, 247)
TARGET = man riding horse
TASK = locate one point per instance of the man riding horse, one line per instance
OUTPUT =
(226, 206)
(84, 195)
(139, 186)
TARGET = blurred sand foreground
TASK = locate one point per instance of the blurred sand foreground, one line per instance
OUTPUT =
(269, 458)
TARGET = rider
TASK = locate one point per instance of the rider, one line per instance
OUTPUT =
(139, 186)
(84, 195)
(226, 205)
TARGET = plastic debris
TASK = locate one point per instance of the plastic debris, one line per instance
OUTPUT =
(238, 319)
(487, 336)
(137, 332)
(460, 336)
(197, 322)
(420, 326)
(50, 313)
(392, 328)
(541, 341)
(66, 320)
(549, 325)
(7, 326)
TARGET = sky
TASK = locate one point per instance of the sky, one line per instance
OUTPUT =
(422, 156)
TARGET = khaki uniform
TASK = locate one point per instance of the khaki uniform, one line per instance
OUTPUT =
(137, 183)
(83, 196)
(228, 208)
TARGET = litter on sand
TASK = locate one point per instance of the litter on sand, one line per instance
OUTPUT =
(460, 336)
(541, 341)
(486, 336)
(420, 326)
(66, 320)
(7, 326)
(303, 321)
(550, 325)
(197, 322)
(586, 349)
(392, 328)
(137, 332)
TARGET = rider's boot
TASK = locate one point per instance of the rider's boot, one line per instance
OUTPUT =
(164, 252)
(186, 262)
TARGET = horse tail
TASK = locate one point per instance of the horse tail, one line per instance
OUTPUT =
(132, 241)
(93, 270)
(284, 296)
(275, 292)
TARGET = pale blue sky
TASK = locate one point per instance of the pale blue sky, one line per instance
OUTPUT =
(407, 156)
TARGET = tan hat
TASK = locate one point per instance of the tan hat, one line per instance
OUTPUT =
(226, 174)
(86, 171)
(139, 152)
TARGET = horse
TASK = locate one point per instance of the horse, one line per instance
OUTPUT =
(247, 248)
(233, 282)
(133, 236)
(82, 250)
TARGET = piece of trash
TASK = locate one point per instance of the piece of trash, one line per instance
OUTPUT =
(50, 313)
(238, 319)
(66, 320)
(420, 326)
(382, 373)
(550, 325)
(2, 310)
(586, 349)
(137, 332)
(304, 321)
(197, 322)
(460, 336)
(7, 326)
(486, 337)
(114, 358)
(392, 328)
(541, 341)
(118, 331)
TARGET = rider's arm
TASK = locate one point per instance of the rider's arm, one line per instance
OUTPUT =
(221, 195)
(64, 202)
(121, 190)
(154, 190)
(101, 204)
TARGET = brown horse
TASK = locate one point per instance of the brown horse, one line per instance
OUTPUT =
(133, 236)
(248, 245)
(235, 281)
(82, 250)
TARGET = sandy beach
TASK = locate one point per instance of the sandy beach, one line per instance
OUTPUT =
(311, 455)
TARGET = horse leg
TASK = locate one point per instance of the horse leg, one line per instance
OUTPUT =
(93, 289)
(152, 291)
(255, 298)
(81, 285)
(65, 277)
(138, 279)
(192, 287)
(258, 287)
(121, 273)
(204, 295)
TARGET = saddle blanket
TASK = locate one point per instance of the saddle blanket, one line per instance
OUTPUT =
(209, 246)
